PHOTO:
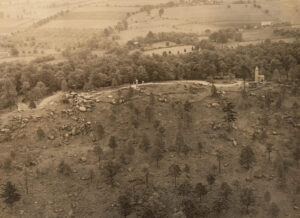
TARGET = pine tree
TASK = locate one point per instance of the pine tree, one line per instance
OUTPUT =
(220, 157)
(247, 198)
(99, 130)
(175, 171)
(269, 150)
(200, 190)
(110, 171)
(157, 155)
(113, 144)
(125, 205)
(10, 194)
(230, 116)
(98, 151)
(145, 144)
(247, 157)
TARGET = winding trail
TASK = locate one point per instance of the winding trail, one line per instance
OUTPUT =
(54, 99)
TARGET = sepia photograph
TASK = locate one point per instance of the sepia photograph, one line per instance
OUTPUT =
(149, 108)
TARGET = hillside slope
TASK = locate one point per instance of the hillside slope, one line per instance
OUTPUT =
(50, 151)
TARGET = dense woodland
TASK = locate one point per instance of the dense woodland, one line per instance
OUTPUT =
(85, 71)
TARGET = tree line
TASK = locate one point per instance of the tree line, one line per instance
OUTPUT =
(86, 71)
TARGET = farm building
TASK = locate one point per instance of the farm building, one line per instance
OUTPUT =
(266, 23)
(183, 49)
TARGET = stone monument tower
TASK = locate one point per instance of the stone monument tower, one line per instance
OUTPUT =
(257, 77)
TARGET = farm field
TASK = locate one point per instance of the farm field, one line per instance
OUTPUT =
(195, 19)
(90, 18)
(170, 50)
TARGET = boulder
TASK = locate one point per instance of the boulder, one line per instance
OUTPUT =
(51, 137)
(82, 108)
(74, 131)
(83, 159)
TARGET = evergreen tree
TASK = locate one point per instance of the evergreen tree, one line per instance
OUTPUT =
(10, 194)
(113, 144)
(230, 116)
(247, 198)
(200, 190)
(175, 171)
(247, 157)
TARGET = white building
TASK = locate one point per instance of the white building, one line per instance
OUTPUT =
(266, 23)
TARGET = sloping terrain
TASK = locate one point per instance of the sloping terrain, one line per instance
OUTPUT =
(50, 152)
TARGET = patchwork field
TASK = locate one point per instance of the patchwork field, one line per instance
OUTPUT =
(91, 18)
(195, 19)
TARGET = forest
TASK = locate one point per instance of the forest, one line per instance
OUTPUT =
(84, 70)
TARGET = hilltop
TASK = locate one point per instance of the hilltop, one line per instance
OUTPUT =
(51, 152)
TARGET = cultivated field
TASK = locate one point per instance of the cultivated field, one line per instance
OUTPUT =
(195, 19)
(90, 18)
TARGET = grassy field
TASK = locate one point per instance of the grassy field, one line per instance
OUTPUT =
(90, 18)
(195, 19)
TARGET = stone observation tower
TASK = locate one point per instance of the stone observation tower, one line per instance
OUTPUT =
(257, 77)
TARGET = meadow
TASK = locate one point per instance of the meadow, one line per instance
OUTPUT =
(195, 19)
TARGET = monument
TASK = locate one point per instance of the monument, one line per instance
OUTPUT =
(257, 77)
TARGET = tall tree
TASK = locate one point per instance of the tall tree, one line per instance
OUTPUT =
(247, 157)
(125, 205)
(175, 171)
(269, 150)
(247, 198)
(110, 171)
(113, 144)
(145, 144)
(179, 143)
(200, 147)
(99, 152)
(220, 205)
(230, 115)
(147, 173)
(10, 194)
(200, 190)
(274, 210)
(187, 106)
(149, 113)
(8, 92)
(225, 190)
(152, 99)
(157, 155)
(210, 179)
(220, 157)
(99, 130)
(246, 73)
(161, 12)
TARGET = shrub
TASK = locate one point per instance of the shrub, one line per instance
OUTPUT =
(64, 168)
(40, 133)
(10, 194)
